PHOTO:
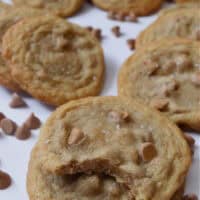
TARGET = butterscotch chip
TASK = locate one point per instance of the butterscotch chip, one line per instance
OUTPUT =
(17, 101)
(75, 136)
(148, 151)
(62, 8)
(107, 149)
(190, 140)
(139, 7)
(177, 84)
(2, 116)
(5, 180)
(131, 44)
(8, 126)
(120, 16)
(159, 104)
(179, 22)
(97, 34)
(196, 79)
(32, 122)
(190, 197)
(116, 31)
(22, 132)
(131, 17)
(72, 78)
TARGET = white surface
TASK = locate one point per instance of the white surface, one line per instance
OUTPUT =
(14, 154)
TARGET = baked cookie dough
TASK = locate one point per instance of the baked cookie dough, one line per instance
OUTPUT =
(188, 1)
(3, 6)
(166, 76)
(61, 8)
(138, 7)
(56, 61)
(119, 137)
(183, 22)
(42, 185)
(7, 19)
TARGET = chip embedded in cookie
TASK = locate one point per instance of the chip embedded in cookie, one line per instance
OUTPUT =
(7, 19)
(62, 8)
(138, 7)
(181, 21)
(56, 61)
(166, 76)
(116, 136)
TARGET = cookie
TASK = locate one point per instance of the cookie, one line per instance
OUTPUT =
(42, 185)
(56, 61)
(7, 19)
(119, 137)
(165, 75)
(63, 8)
(138, 7)
(183, 22)
(4, 6)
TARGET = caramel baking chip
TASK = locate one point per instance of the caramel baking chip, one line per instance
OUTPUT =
(116, 31)
(17, 101)
(2, 116)
(147, 151)
(32, 122)
(5, 180)
(8, 126)
(23, 132)
(75, 136)
(190, 140)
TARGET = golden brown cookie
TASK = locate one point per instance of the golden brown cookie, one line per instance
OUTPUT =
(183, 22)
(7, 19)
(138, 7)
(56, 61)
(119, 137)
(61, 8)
(166, 76)
(3, 6)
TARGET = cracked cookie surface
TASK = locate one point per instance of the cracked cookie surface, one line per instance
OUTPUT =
(56, 61)
(138, 7)
(61, 8)
(166, 76)
(182, 21)
(118, 137)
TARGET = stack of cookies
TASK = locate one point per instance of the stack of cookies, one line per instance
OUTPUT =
(108, 148)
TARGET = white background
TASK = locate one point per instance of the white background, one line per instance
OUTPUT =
(14, 154)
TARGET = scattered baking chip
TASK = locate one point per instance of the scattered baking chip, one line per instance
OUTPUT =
(8, 126)
(17, 101)
(33, 122)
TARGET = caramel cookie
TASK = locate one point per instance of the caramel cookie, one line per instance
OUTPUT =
(119, 137)
(138, 7)
(61, 8)
(183, 22)
(56, 61)
(7, 19)
(42, 185)
(166, 76)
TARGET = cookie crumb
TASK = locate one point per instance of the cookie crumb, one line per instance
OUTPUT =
(17, 101)
(32, 122)
(116, 31)
(22, 132)
(147, 151)
(5, 180)
(8, 126)
(75, 136)
(131, 44)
